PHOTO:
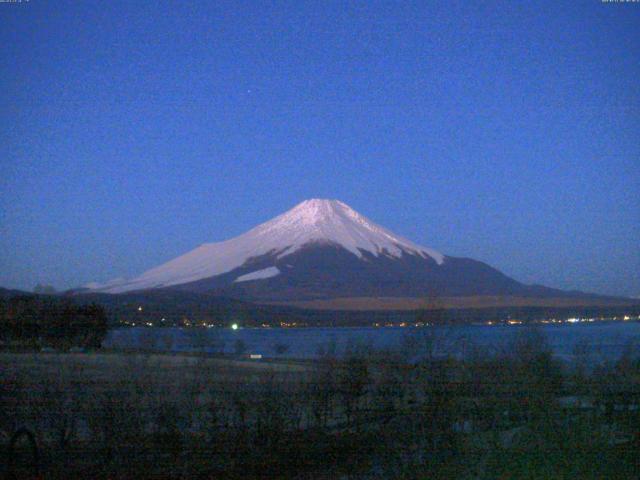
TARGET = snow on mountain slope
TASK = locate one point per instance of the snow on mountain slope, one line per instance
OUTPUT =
(258, 275)
(312, 221)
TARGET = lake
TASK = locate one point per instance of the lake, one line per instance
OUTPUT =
(602, 341)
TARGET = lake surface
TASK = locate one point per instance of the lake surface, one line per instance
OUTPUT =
(602, 341)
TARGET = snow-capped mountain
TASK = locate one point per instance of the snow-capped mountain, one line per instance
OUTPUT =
(312, 221)
(321, 249)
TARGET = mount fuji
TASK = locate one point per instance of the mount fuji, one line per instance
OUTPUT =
(319, 250)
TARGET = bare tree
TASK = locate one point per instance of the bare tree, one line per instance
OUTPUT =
(353, 380)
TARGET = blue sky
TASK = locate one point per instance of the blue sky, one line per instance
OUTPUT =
(134, 131)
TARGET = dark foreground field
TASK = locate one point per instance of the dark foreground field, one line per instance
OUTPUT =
(514, 414)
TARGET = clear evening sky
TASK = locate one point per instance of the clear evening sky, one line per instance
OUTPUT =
(133, 131)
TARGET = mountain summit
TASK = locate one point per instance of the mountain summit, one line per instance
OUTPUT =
(322, 249)
(332, 221)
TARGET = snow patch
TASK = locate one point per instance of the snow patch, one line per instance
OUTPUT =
(258, 274)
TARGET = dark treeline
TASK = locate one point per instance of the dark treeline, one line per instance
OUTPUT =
(35, 321)
(182, 308)
(460, 316)
(515, 413)
(534, 314)
(179, 308)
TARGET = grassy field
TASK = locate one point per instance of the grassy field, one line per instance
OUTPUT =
(89, 412)
(369, 415)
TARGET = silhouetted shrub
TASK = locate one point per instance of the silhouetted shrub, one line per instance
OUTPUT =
(40, 321)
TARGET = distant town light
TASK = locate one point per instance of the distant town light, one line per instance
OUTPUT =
(234, 326)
